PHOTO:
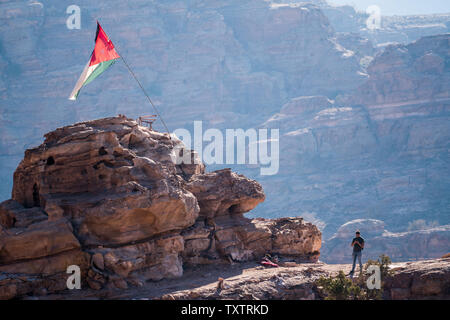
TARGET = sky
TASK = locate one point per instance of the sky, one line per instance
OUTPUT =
(400, 7)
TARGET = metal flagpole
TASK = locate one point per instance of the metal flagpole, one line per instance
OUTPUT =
(145, 92)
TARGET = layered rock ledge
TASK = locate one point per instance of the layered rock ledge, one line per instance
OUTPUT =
(419, 280)
(107, 196)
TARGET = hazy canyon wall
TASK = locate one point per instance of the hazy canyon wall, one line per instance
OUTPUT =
(363, 126)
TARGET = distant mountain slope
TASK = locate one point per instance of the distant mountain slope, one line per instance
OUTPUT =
(380, 153)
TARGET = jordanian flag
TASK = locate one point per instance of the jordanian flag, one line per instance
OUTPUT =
(103, 56)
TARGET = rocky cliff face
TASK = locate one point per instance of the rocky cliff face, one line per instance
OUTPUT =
(420, 280)
(107, 196)
(414, 73)
(424, 280)
(380, 153)
(392, 29)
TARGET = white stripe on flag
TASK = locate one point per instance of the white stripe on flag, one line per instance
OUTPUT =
(84, 75)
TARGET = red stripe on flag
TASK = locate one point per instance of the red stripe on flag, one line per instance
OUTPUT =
(104, 48)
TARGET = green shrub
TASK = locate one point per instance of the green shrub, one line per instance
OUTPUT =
(343, 288)
(383, 262)
(339, 288)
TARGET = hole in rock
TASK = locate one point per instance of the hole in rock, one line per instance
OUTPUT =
(105, 163)
(134, 143)
(234, 208)
(50, 161)
(36, 198)
(101, 176)
(108, 164)
(102, 151)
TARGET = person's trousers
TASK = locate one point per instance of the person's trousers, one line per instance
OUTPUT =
(357, 254)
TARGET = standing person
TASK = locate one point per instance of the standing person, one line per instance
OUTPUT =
(358, 245)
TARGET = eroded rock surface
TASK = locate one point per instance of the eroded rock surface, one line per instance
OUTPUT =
(107, 196)
(429, 279)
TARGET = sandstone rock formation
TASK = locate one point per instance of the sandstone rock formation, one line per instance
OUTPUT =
(428, 279)
(107, 196)
(402, 29)
(416, 72)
